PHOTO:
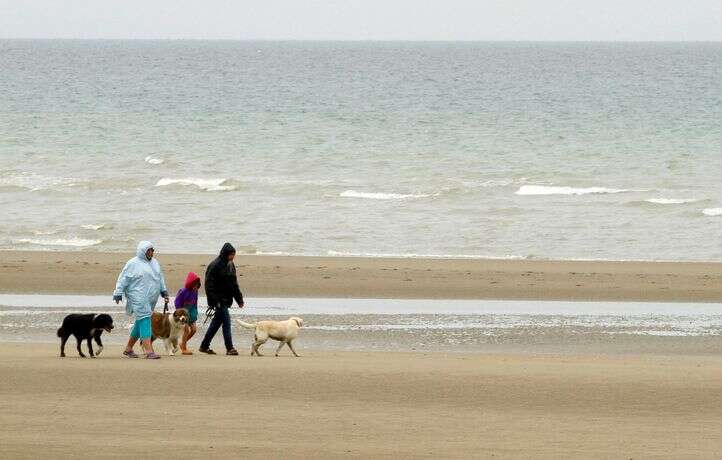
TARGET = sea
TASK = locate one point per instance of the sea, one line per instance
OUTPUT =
(470, 150)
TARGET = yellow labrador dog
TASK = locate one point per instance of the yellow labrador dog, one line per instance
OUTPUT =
(283, 331)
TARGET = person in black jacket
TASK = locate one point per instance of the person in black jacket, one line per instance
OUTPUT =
(221, 289)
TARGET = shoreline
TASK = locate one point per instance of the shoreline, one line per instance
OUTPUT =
(24, 272)
(363, 404)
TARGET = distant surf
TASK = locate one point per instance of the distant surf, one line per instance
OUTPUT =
(31, 181)
(382, 196)
(69, 242)
(712, 212)
(94, 227)
(153, 160)
(418, 256)
(552, 190)
(209, 185)
(672, 200)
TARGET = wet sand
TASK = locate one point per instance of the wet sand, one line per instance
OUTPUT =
(359, 404)
(281, 276)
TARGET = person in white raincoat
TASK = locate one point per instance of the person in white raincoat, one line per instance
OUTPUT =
(141, 282)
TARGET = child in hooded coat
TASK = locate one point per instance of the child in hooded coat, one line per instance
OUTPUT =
(187, 298)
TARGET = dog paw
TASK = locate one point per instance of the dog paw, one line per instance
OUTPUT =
(100, 350)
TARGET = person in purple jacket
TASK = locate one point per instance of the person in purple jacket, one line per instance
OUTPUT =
(187, 298)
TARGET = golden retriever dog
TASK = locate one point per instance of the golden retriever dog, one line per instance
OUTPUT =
(283, 331)
(169, 326)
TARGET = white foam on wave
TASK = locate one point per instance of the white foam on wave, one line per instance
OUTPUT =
(382, 196)
(671, 200)
(154, 161)
(32, 181)
(209, 185)
(712, 212)
(554, 190)
(490, 183)
(417, 256)
(390, 255)
(94, 227)
(70, 242)
(45, 232)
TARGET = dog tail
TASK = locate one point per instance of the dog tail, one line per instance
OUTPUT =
(246, 325)
(61, 332)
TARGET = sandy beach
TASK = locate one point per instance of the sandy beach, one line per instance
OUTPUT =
(276, 276)
(335, 404)
(598, 396)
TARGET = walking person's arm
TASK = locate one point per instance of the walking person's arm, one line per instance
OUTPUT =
(163, 288)
(237, 295)
(121, 285)
(210, 285)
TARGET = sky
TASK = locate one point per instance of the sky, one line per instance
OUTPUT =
(517, 20)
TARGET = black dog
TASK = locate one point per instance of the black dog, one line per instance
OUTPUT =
(84, 327)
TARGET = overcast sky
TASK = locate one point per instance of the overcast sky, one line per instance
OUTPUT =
(634, 20)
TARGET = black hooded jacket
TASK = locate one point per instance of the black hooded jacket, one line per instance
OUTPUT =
(221, 282)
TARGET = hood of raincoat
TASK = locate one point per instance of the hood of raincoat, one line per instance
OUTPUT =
(226, 250)
(190, 279)
(143, 247)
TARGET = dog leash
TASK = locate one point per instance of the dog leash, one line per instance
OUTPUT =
(210, 311)
(165, 307)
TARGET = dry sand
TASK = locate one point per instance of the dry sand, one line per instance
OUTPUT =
(271, 276)
(352, 404)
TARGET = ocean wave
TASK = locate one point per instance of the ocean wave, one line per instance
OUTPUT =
(287, 181)
(712, 212)
(69, 242)
(554, 190)
(490, 183)
(32, 182)
(209, 185)
(417, 256)
(45, 232)
(672, 200)
(95, 227)
(382, 196)
(396, 255)
(154, 161)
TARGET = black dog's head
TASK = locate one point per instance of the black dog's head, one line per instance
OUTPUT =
(103, 321)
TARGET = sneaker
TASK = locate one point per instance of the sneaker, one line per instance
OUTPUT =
(129, 354)
(232, 352)
(152, 355)
(207, 351)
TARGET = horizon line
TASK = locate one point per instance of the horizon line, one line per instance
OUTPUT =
(328, 40)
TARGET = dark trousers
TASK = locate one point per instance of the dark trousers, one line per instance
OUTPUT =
(220, 318)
